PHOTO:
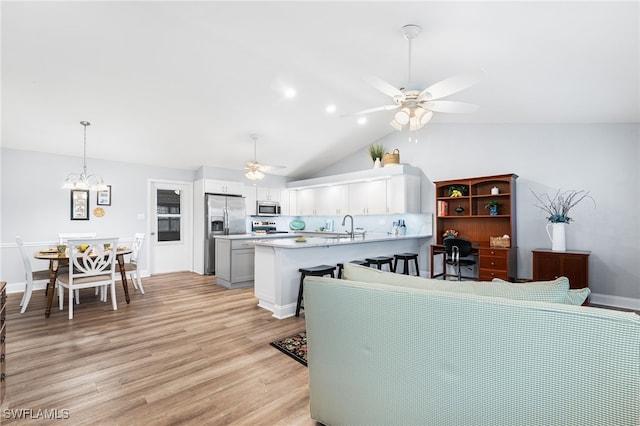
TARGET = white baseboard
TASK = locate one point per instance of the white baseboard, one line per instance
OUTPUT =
(615, 301)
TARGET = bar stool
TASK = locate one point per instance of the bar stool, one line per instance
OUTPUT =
(406, 257)
(316, 271)
(357, 262)
(381, 260)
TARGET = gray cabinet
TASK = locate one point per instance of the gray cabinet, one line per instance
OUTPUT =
(234, 262)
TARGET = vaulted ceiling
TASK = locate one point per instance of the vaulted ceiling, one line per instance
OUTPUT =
(185, 84)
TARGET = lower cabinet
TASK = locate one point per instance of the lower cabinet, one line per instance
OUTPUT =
(234, 263)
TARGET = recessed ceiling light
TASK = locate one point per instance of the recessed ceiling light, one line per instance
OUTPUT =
(330, 109)
(362, 120)
(289, 92)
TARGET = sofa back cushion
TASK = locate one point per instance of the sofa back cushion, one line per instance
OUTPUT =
(542, 291)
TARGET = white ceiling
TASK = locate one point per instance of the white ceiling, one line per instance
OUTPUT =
(184, 84)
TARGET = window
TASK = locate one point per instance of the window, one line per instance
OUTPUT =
(168, 213)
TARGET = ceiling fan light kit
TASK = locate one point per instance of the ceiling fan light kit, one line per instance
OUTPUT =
(415, 108)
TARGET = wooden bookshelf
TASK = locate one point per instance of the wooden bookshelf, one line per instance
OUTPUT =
(467, 215)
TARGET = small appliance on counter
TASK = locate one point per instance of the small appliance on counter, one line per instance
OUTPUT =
(265, 227)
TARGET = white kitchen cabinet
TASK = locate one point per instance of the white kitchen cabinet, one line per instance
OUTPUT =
(368, 197)
(212, 186)
(403, 194)
(268, 194)
(234, 263)
(331, 200)
(306, 202)
(288, 202)
(249, 193)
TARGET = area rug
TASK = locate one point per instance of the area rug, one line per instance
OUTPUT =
(295, 346)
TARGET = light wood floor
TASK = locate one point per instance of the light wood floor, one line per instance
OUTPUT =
(186, 352)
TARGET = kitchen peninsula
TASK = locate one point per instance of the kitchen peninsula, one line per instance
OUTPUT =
(277, 262)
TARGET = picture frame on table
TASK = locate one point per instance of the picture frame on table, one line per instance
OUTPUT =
(79, 204)
(103, 198)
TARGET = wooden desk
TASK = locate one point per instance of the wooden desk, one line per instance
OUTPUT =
(60, 259)
(493, 262)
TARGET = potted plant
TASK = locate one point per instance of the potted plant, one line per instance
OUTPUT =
(492, 206)
(376, 151)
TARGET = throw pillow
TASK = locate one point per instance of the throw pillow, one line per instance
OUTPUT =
(575, 296)
(544, 291)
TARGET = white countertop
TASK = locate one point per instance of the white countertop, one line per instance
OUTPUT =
(256, 236)
(328, 241)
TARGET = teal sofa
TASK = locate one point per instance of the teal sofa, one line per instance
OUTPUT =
(382, 350)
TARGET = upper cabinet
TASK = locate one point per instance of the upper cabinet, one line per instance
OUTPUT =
(368, 197)
(268, 194)
(376, 191)
(223, 187)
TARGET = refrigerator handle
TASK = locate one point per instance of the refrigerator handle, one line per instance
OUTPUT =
(225, 220)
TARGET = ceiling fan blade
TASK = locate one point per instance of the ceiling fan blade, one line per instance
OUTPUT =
(383, 86)
(264, 167)
(450, 106)
(451, 85)
(376, 109)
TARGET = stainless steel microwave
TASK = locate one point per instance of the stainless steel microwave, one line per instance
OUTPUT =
(268, 208)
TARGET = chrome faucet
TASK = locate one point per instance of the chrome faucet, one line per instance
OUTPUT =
(344, 220)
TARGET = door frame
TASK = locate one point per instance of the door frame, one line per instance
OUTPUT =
(186, 218)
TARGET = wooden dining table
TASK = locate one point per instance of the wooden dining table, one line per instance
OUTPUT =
(57, 259)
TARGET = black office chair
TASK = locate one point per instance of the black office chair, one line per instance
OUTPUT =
(457, 250)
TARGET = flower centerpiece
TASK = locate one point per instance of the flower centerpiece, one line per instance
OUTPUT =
(558, 207)
(450, 233)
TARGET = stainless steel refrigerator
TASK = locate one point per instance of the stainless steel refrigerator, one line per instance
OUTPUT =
(224, 215)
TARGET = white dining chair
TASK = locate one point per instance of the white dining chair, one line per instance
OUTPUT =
(93, 267)
(64, 237)
(131, 267)
(30, 276)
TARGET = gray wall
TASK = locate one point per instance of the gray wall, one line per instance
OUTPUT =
(603, 159)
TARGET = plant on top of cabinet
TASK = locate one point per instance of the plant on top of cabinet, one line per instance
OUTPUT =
(376, 151)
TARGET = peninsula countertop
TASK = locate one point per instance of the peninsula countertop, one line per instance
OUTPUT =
(335, 240)
(256, 236)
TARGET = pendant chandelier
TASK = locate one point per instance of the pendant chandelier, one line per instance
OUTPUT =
(82, 180)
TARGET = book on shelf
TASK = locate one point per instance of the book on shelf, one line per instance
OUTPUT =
(443, 208)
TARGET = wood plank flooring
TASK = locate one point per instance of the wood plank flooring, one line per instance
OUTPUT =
(186, 352)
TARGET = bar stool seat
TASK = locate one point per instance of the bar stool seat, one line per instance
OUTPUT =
(406, 257)
(316, 271)
(357, 262)
(378, 261)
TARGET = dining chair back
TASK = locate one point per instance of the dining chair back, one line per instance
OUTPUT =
(30, 276)
(92, 263)
(131, 267)
(63, 237)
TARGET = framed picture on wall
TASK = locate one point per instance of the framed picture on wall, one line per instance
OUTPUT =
(103, 198)
(79, 204)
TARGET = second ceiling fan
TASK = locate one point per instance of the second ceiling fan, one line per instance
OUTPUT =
(415, 106)
(253, 169)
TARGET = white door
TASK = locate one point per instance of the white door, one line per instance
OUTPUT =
(171, 227)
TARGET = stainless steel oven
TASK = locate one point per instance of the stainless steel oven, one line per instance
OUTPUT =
(267, 208)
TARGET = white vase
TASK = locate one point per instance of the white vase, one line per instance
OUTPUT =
(557, 236)
(376, 164)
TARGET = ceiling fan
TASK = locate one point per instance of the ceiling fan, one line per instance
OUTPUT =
(253, 169)
(415, 106)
